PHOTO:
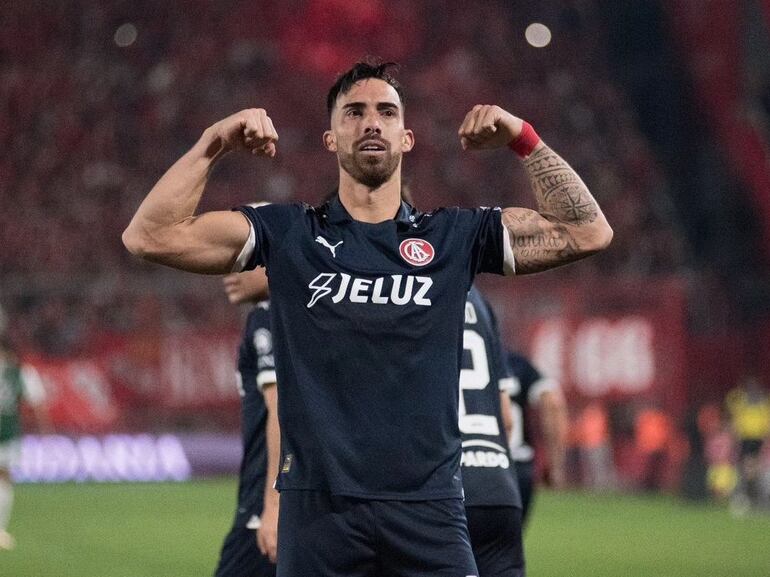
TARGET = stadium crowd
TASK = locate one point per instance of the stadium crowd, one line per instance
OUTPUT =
(98, 98)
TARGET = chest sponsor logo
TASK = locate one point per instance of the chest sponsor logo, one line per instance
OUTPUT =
(394, 289)
(416, 251)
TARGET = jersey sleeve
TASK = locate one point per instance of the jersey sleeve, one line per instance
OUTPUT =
(255, 359)
(534, 382)
(263, 343)
(542, 385)
(268, 225)
(489, 250)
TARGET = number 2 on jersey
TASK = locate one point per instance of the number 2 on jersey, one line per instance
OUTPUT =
(476, 378)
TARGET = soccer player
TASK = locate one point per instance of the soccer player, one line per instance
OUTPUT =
(244, 552)
(528, 387)
(17, 382)
(367, 305)
(492, 501)
(749, 409)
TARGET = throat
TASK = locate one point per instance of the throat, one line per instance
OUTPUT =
(372, 205)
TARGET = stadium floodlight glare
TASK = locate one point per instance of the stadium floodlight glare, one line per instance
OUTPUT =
(125, 35)
(538, 35)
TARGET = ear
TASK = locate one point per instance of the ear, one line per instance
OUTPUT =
(330, 142)
(407, 141)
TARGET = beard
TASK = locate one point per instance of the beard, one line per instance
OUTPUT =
(371, 170)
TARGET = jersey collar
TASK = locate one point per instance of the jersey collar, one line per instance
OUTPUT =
(336, 213)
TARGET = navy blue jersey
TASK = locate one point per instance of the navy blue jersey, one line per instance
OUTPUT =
(256, 368)
(488, 477)
(369, 322)
(527, 384)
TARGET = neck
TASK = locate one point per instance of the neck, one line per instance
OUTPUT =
(371, 205)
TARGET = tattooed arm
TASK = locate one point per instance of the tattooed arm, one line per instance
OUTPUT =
(568, 224)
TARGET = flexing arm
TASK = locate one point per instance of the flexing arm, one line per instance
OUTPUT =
(568, 224)
(554, 423)
(267, 534)
(165, 228)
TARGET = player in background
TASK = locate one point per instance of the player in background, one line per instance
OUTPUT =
(250, 548)
(529, 388)
(17, 382)
(368, 298)
(492, 500)
(749, 408)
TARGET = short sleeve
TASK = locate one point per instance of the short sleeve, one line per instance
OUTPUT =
(534, 382)
(269, 224)
(488, 253)
(486, 242)
(263, 346)
(256, 361)
(540, 386)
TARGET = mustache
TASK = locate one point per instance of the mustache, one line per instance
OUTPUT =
(372, 138)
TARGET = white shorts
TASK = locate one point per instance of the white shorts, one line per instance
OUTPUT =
(9, 453)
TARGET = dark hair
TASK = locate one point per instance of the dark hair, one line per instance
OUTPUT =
(370, 67)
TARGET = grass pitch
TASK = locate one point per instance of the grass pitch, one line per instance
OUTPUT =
(175, 530)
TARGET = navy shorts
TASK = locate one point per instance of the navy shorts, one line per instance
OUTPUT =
(320, 535)
(497, 540)
(241, 557)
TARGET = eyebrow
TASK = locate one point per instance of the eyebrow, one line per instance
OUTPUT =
(380, 105)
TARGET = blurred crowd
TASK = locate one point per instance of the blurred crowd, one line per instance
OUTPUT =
(719, 451)
(98, 98)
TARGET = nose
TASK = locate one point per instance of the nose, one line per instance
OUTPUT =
(372, 124)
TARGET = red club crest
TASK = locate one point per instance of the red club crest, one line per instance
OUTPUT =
(416, 251)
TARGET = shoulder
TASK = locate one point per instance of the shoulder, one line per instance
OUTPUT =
(458, 212)
(478, 306)
(269, 225)
(470, 222)
(519, 364)
(478, 300)
(269, 213)
(528, 366)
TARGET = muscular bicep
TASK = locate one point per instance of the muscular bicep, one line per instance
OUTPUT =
(210, 243)
(540, 242)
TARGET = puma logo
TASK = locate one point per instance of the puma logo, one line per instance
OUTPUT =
(332, 248)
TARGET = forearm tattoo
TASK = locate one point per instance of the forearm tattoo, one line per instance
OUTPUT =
(549, 237)
(559, 190)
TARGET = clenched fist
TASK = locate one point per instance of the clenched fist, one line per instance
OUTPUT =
(249, 129)
(487, 126)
